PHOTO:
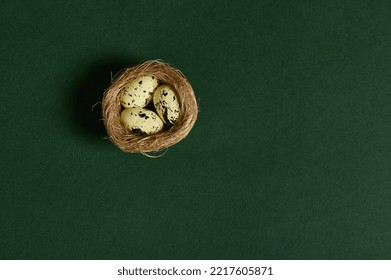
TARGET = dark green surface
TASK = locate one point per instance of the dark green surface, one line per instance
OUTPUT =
(290, 157)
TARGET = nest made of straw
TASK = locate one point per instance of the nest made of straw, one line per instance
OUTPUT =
(111, 109)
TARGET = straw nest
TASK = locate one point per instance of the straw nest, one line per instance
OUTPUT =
(111, 109)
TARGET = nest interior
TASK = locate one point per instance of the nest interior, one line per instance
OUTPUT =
(111, 107)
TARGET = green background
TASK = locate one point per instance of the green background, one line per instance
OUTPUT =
(290, 157)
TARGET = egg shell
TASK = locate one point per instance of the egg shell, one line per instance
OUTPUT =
(166, 104)
(138, 92)
(141, 121)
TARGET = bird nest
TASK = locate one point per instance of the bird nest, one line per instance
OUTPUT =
(133, 143)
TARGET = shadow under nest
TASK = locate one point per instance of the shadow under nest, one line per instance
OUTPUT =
(88, 93)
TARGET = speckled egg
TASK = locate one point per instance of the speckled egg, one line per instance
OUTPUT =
(141, 121)
(166, 104)
(139, 92)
